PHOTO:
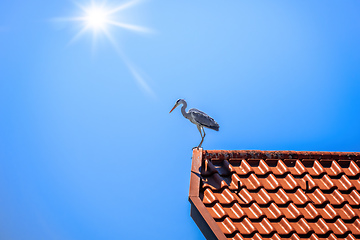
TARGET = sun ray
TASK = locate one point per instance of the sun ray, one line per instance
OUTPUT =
(140, 80)
(123, 6)
(129, 26)
(137, 76)
(113, 42)
(69, 19)
(78, 35)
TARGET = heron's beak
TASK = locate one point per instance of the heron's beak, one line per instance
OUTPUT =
(173, 108)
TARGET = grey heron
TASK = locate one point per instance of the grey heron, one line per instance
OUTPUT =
(197, 117)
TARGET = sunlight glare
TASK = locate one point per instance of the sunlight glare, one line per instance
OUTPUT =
(102, 21)
(100, 18)
(96, 17)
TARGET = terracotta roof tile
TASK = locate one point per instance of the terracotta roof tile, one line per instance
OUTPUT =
(245, 226)
(339, 227)
(299, 197)
(273, 212)
(276, 194)
(335, 197)
(354, 227)
(235, 211)
(262, 197)
(254, 211)
(217, 211)
(320, 227)
(332, 168)
(209, 197)
(283, 227)
(279, 197)
(309, 212)
(301, 227)
(347, 213)
(278, 167)
(264, 227)
(353, 198)
(224, 197)
(290, 212)
(356, 183)
(245, 197)
(296, 168)
(350, 168)
(237, 237)
(325, 183)
(227, 226)
(328, 212)
(318, 197)
(269, 182)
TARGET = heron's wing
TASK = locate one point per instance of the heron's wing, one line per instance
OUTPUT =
(204, 119)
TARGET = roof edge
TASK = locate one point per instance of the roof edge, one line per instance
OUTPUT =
(195, 172)
(259, 154)
(199, 213)
(204, 220)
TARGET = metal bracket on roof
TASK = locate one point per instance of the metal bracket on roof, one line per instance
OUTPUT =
(238, 185)
(206, 165)
(237, 191)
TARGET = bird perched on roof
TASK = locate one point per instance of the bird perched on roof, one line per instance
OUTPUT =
(197, 117)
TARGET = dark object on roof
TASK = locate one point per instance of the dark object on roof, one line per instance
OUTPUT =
(275, 194)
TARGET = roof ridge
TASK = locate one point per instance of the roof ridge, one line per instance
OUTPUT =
(280, 154)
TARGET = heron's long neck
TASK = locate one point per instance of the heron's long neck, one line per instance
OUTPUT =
(183, 111)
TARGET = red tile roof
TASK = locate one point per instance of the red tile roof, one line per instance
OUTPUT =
(276, 194)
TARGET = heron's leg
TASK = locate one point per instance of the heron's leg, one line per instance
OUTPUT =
(202, 137)
(199, 128)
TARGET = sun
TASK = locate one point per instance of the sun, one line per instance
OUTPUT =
(96, 17)
(100, 19)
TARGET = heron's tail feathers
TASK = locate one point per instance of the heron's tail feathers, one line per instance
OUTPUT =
(215, 127)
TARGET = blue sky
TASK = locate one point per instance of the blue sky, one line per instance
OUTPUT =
(88, 149)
